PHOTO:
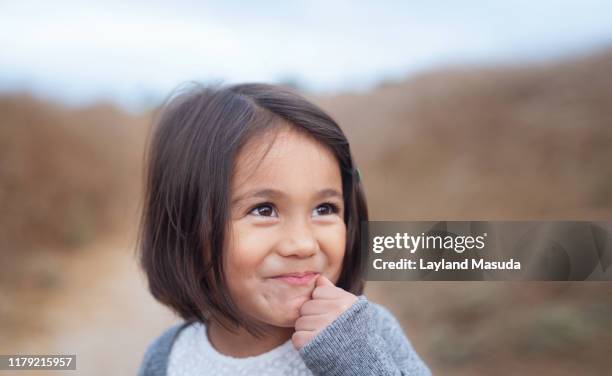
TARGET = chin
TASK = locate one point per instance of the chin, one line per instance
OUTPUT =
(287, 321)
(286, 316)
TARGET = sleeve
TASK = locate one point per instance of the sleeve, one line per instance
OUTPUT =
(364, 340)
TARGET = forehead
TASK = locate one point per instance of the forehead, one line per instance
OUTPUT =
(285, 159)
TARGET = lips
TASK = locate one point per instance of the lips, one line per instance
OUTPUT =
(296, 274)
(297, 278)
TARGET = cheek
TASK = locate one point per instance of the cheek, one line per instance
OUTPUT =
(247, 250)
(333, 243)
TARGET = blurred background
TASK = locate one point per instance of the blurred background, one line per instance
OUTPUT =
(468, 110)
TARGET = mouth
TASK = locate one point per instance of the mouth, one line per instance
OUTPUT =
(300, 278)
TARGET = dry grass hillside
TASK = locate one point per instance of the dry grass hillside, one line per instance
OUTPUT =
(513, 142)
(66, 175)
(501, 142)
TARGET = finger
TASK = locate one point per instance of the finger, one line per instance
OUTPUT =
(317, 307)
(325, 292)
(323, 281)
(311, 322)
(302, 338)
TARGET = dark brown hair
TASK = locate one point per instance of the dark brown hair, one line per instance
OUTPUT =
(189, 165)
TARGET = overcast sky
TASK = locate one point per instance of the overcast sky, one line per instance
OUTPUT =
(127, 51)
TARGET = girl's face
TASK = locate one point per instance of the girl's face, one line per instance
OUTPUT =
(286, 217)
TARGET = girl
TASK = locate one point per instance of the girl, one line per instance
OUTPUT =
(251, 233)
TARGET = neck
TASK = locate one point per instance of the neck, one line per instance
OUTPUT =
(241, 344)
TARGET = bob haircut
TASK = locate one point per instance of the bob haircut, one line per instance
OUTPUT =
(189, 164)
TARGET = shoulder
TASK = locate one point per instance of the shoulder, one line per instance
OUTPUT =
(381, 316)
(155, 359)
(385, 323)
(397, 343)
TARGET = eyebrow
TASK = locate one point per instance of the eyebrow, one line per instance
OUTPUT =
(275, 193)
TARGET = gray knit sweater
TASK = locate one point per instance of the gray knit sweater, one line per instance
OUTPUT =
(364, 340)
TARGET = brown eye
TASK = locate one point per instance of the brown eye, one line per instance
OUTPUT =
(263, 210)
(326, 209)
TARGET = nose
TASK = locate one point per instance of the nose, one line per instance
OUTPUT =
(298, 240)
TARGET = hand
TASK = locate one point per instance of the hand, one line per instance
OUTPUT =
(327, 303)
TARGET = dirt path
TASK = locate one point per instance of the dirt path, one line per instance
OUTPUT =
(102, 312)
